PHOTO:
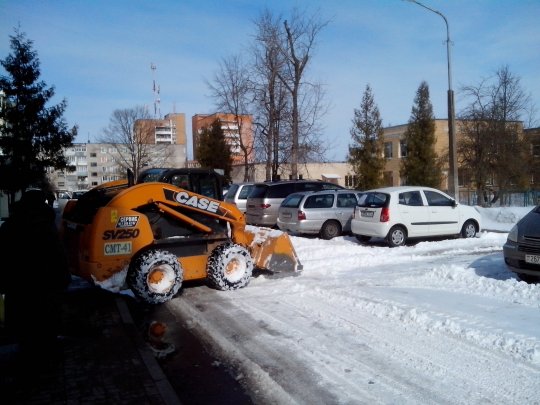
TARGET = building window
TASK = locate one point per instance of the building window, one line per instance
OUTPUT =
(402, 148)
(93, 164)
(536, 150)
(388, 150)
(93, 154)
(350, 180)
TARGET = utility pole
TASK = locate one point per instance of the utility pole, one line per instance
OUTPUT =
(453, 183)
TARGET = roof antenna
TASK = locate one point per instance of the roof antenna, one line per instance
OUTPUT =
(157, 110)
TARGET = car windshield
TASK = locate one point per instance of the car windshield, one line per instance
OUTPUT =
(244, 192)
(231, 191)
(150, 175)
(77, 194)
(292, 201)
(258, 191)
(373, 200)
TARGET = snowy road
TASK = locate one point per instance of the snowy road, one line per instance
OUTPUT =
(439, 322)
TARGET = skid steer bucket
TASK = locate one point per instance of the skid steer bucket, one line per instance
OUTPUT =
(273, 250)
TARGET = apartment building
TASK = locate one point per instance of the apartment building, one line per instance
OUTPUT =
(171, 129)
(236, 132)
(97, 163)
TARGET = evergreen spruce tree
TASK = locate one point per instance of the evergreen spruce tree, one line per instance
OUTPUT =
(366, 150)
(33, 135)
(213, 151)
(421, 167)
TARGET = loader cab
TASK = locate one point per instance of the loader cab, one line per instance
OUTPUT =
(206, 182)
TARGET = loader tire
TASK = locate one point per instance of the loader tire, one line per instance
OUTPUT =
(155, 276)
(229, 267)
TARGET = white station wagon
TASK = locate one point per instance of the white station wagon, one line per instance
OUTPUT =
(401, 213)
(325, 213)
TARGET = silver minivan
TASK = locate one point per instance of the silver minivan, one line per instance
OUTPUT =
(237, 194)
(265, 198)
(325, 213)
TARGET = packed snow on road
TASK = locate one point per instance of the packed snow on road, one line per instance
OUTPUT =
(440, 322)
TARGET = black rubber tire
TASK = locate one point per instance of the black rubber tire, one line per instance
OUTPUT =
(469, 229)
(144, 265)
(528, 278)
(229, 267)
(330, 229)
(363, 238)
(397, 236)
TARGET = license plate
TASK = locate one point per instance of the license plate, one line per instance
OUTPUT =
(117, 248)
(367, 214)
(287, 215)
(534, 259)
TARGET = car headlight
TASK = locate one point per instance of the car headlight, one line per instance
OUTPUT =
(513, 234)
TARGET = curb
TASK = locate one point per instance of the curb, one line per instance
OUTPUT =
(162, 383)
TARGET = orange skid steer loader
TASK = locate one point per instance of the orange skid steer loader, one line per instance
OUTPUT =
(151, 237)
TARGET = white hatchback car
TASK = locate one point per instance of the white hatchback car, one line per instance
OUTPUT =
(400, 213)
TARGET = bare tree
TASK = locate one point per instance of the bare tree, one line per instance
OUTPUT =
(491, 132)
(231, 91)
(299, 39)
(271, 101)
(289, 106)
(131, 133)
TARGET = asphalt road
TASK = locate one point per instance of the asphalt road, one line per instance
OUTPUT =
(195, 373)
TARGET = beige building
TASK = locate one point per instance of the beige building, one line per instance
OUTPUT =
(395, 149)
(341, 172)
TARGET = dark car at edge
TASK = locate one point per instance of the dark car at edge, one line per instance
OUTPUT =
(522, 248)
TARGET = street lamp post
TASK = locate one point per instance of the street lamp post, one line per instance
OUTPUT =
(453, 186)
(2, 97)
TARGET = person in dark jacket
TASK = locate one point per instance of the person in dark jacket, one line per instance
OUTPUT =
(33, 275)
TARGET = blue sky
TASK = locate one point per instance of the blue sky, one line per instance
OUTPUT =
(97, 54)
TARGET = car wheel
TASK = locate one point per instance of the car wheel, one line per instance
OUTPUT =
(330, 229)
(155, 276)
(397, 236)
(363, 238)
(469, 230)
(528, 278)
(229, 267)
